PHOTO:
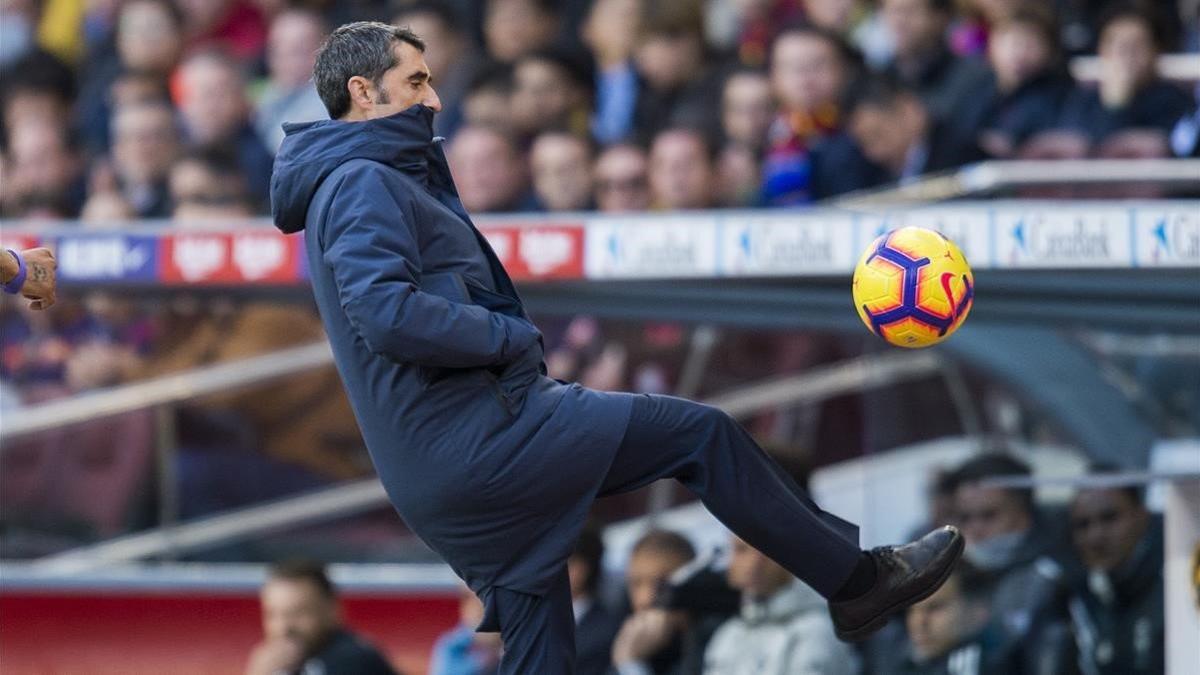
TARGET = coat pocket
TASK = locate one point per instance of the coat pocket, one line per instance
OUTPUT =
(452, 287)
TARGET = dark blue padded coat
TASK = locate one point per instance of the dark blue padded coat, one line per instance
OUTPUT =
(490, 462)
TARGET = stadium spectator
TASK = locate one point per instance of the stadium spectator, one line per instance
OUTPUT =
(738, 178)
(37, 88)
(621, 179)
(235, 26)
(488, 99)
(923, 60)
(1028, 89)
(550, 92)
(514, 28)
(677, 88)
(809, 70)
(490, 171)
(1010, 543)
(45, 177)
(208, 185)
(212, 99)
(747, 108)
(289, 94)
(649, 640)
(1130, 93)
(561, 167)
(595, 625)
(1117, 609)
(451, 55)
(461, 650)
(303, 630)
(681, 172)
(145, 143)
(783, 629)
(610, 31)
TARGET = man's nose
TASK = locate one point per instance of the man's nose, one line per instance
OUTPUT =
(433, 101)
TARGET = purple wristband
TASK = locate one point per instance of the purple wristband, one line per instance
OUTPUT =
(13, 287)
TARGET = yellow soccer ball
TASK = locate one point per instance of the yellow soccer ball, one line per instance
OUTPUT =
(913, 287)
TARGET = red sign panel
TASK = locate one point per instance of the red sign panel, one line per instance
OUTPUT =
(543, 251)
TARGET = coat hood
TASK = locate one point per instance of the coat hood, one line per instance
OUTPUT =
(312, 150)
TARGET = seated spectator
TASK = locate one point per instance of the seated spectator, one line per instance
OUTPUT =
(783, 629)
(514, 28)
(1011, 545)
(621, 179)
(610, 31)
(747, 108)
(303, 631)
(923, 60)
(289, 94)
(948, 632)
(738, 177)
(488, 100)
(450, 54)
(145, 143)
(36, 88)
(208, 184)
(677, 87)
(550, 92)
(211, 92)
(1117, 611)
(561, 166)
(489, 170)
(461, 650)
(809, 71)
(237, 27)
(595, 625)
(681, 171)
(1028, 89)
(45, 174)
(1130, 93)
(649, 640)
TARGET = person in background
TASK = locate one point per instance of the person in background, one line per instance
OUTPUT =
(610, 32)
(145, 144)
(289, 94)
(677, 86)
(561, 167)
(44, 172)
(514, 28)
(211, 93)
(208, 184)
(236, 27)
(595, 625)
(461, 650)
(681, 170)
(488, 99)
(1117, 608)
(303, 630)
(783, 628)
(649, 640)
(550, 92)
(747, 108)
(621, 179)
(490, 171)
(450, 53)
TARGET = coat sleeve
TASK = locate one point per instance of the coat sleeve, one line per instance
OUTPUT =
(373, 254)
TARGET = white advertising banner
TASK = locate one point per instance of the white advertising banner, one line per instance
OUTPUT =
(1055, 237)
(786, 245)
(649, 246)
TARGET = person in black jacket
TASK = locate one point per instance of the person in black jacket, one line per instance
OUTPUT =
(1117, 613)
(303, 631)
(595, 624)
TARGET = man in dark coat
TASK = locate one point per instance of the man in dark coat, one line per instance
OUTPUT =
(490, 462)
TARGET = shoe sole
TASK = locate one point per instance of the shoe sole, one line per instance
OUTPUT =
(868, 629)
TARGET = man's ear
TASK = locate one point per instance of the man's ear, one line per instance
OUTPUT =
(359, 89)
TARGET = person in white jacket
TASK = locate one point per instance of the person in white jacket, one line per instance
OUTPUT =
(783, 628)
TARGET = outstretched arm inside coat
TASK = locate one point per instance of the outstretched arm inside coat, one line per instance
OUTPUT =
(373, 253)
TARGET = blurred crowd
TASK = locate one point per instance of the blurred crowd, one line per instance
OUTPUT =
(123, 109)
(1041, 591)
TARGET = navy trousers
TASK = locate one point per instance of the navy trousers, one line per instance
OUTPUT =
(716, 459)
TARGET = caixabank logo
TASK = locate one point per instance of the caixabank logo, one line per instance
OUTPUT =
(1070, 239)
(787, 245)
(1168, 237)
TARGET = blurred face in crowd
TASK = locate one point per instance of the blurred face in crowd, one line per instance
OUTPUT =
(938, 623)
(543, 95)
(213, 101)
(611, 29)
(486, 168)
(648, 570)
(148, 38)
(24, 106)
(1106, 525)
(194, 183)
(993, 11)
(297, 610)
(621, 180)
(203, 15)
(292, 48)
(680, 171)
(562, 171)
(834, 15)
(442, 43)
(1127, 46)
(988, 512)
(738, 176)
(806, 71)
(40, 159)
(747, 108)
(753, 573)
(1017, 52)
(917, 29)
(488, 107)
(668, 60)
(512, 28)
(402, 86)
(886, 133)
(145, 141)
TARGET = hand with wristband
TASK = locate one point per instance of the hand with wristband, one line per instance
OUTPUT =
(30, 273)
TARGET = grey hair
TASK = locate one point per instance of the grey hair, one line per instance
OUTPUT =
(363, 48)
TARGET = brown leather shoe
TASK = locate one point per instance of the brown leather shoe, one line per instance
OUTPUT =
(906, 575)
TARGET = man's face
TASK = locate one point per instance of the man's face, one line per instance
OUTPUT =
(1017, 52)
(542, 95)
(214, 104)
(292, 48)
(885, 134)
(680, 171)
(296, 610)
(486, 169)
(1105, 526)
(404, 85)
(915, 27)
(806, 72)
(621, 182)
(562, 172)
(647, 572)
(747, 108)
(938, 623)
(986, 512)
(753, 573)
(666, 61)
(515, 27)
(144, 143)
(147, 37)
(441, 43)
(1128, 47)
